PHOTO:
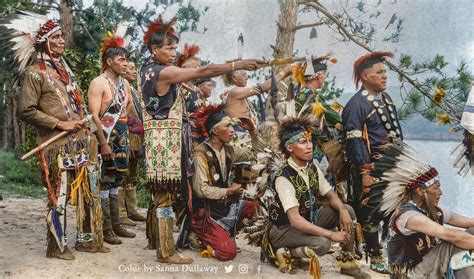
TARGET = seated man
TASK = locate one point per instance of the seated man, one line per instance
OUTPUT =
(218, 208)
(300, 222)
(414, 247)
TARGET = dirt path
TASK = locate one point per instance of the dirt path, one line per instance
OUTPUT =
(23, 238)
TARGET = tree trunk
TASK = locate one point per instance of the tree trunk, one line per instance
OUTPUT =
(15, 122)
(67, 22)
(285, 41)
(7, 125)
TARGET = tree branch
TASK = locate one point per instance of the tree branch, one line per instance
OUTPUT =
(318, 7)
(301, 26)
(84, 27)
(45, 6)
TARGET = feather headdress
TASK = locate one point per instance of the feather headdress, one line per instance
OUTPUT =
(208, 116)
(189, 51)
(110, 41)
(366, 61)
(160, 26)
(400, 169)
(21, 36)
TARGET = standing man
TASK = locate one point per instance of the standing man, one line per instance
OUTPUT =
(370, 120)
(51, 101)
(128, 191)
(110, 103)
(419, 245)
(167, 165)
(237, 104)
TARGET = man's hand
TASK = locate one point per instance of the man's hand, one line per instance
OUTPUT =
(70, 126)
(249, 64)
(246, 123)
(106, 152)
(234, 190)
(341, 237)
(345, 221)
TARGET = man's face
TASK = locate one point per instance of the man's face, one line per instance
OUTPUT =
(56, 43)
(165, 55)
(301, 149)
(240, 78)
(434, 193)
(118, 64)
(224, 133)
(191, 63)
(131, 73)
(317, 80)
(206, 88)
(375, 77)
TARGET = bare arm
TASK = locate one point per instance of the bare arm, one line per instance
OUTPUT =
(301, 224)
(345, 219)
(240, 93)
(172, 74)
(95, 100)
(460, 221)
(425, 225)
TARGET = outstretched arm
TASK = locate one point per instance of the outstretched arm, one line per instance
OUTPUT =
(460, 221)
(427, 226)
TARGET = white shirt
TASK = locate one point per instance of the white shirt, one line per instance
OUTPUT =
(286, 191)
(403, 220)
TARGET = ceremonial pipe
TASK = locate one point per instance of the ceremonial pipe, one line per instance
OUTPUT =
(53, 139)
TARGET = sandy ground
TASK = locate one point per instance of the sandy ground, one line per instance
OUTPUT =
(23, 248)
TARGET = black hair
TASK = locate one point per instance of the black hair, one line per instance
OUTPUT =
(116, 51)
(159, 38)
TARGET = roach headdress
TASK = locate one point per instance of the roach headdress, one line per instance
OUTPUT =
(110, 41)
(367, 61)
(208, 117)
(159, 26)
(189, 51)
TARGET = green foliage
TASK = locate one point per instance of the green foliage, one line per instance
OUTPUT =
(19, 178)
(9, 6)
(329, 90)
(84, 65)
(432, 76)
(188, 17)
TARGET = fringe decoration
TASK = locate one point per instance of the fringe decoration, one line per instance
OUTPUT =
(80, 211)
(135, 142)
(81, 183)
(45, 177)
(315, 267)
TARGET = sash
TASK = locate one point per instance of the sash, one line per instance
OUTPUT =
(112, 114)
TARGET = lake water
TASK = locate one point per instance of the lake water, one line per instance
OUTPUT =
(458, 191)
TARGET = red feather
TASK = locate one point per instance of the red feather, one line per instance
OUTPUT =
(160, 26)
(203, 114)
(108, 42)
(369, 56)
(189, 51)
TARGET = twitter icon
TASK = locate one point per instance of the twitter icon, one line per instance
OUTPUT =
(228, 268)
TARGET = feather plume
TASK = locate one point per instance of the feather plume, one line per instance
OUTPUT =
(376, 55)
(317, 108)
(298, 71)
(189, 51)
(160, 26)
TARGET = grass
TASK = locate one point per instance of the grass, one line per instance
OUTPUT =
(19, 178)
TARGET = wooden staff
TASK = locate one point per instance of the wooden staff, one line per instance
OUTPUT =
(53, 139)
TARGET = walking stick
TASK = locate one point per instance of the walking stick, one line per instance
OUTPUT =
(86, 119)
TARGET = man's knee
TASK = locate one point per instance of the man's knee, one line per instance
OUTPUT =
(227, 254)
(321, 245)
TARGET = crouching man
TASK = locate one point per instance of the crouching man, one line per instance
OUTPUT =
(301, 226)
